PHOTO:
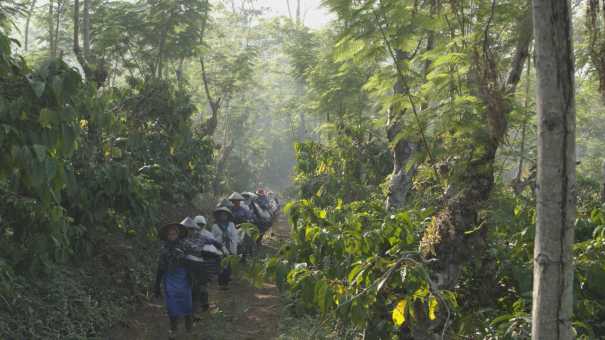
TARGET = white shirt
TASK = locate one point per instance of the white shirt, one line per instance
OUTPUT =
(231, 234)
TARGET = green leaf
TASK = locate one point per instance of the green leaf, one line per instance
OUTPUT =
(47, 117)
(355, 273)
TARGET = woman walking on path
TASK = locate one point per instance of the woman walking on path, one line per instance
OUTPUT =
(173, 275)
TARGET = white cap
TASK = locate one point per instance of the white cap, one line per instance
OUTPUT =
(199, 219)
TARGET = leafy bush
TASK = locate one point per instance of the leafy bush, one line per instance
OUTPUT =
(83, 174)
(352, 168)
(360, 264)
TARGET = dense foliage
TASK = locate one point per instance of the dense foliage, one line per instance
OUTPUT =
(452, 81)
(115, 117)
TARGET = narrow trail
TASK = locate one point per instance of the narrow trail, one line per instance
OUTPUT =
(244, 312)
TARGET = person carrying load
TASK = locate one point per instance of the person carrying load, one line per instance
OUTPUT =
(173, 275)
(249, 197)
(224, 231)
(241, 213)
(263, 200)
(260, 208)
(203, 256)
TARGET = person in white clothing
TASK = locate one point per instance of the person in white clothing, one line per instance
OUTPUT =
(224, 231)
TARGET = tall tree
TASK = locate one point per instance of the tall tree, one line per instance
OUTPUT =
(30, 13)
(51, 30)
(452, 238)
(556, 206)
(595, 29)
(86, 29)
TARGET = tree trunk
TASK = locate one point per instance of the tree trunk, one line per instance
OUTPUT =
(457, 233)
(76, 38)
(289, 10)
(76, 41)
(59, 12)
(556, 207)
(302, 126)
(162, 42)
(27, 23)
(595, 10)
(298, 18)
(399, 182)
(86, 29)
(209, 126)
(401, 152)
(518, 177)
(603, 182)
(51, 30)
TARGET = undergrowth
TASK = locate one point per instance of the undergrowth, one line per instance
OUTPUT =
(78, 300)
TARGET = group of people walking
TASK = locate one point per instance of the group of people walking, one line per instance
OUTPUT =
(191, 253)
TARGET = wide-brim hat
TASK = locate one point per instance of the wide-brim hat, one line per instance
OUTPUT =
(248, 194)
(189, 223)
(236, 196)
(222, 209)
(225, 203)
(164, 229)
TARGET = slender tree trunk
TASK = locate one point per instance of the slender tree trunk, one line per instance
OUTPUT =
(603, 182)
(525, 122)
(595, 19)
(32, 7)
(298, 18)
(209, 126)
(289, 10)
(86, 29)
(76, 41)
(400, 179)
(59, 12)
(51, 30)
(556, 199)
(302, 126)
(76, 38)
(162, 42)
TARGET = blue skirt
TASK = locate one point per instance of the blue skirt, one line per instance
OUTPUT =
(178, 293)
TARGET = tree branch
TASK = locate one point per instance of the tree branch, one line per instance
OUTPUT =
(525, 36)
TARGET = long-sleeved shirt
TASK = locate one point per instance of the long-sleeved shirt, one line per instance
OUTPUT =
(172, 254)
(242, 214)
(197, 241)
(227, 235)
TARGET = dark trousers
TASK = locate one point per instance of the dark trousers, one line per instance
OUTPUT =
(224, 276)
(174, 323)
(199, 292)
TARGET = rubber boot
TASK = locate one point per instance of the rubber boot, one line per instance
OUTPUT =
(188, 323)
(224, 277)
(174, 323)
(204, 301)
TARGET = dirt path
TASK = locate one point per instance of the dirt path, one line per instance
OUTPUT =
(244, 312)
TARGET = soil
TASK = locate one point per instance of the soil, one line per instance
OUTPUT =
(244, 312)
